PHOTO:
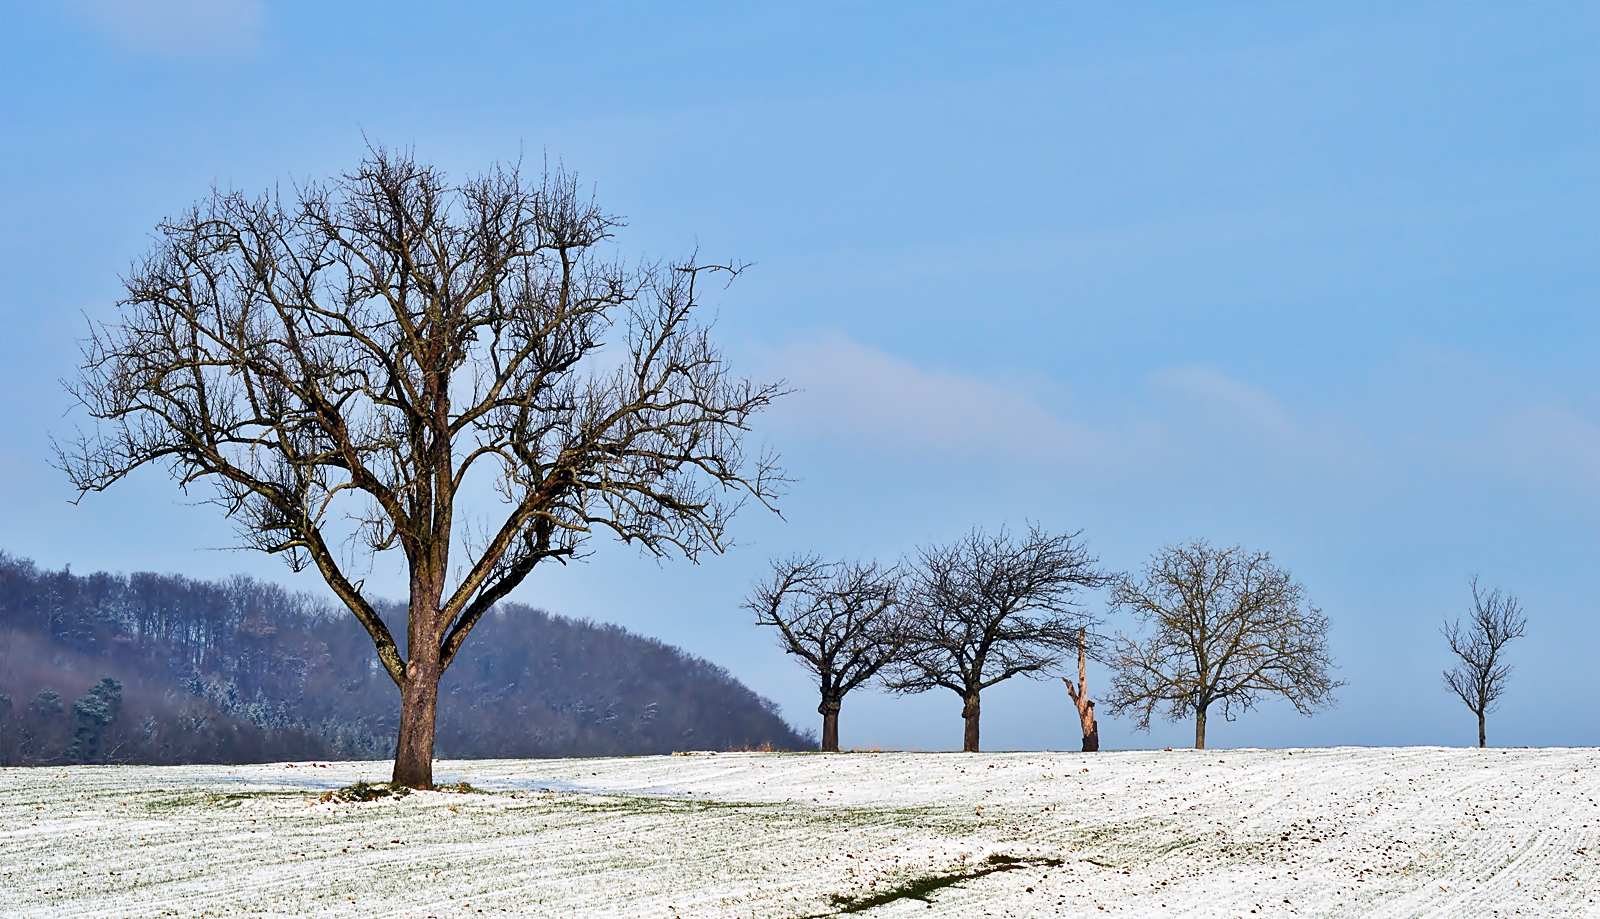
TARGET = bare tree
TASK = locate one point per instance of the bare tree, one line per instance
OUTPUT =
(348, 361)
(840, 619)
(987, 608)
(1080, 696)
(1226, 627)
(1480, 678)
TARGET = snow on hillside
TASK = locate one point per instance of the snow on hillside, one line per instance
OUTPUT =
(1233, 833)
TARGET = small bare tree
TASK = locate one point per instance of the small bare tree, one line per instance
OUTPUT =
(1080, 696)
(841, 620)
(988, 608)
(1480, 678)
(1226, 627)
(350, 362)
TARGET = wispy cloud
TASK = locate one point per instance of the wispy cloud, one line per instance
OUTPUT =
(181, 29)
(868, 399)
(1187, 422)
(1186, 417)
(1208, 417)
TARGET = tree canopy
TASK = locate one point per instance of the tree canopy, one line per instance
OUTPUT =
(990, 607)
(1225, 628)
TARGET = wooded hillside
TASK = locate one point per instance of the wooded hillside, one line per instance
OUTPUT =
(150, 668)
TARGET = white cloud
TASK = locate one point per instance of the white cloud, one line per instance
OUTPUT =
(1187, 418)
(188, 29)
(1207, 395)
(861, 396)
(1188, 426)
(1221, 419)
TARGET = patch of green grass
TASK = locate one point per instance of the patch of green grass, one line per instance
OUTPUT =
(461, 788)
(364, 791)
(237, 798)
(1171, 847)
(177, 801)
(923, 888)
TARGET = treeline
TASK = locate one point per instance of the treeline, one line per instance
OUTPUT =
(1219, 629)
(164, 669)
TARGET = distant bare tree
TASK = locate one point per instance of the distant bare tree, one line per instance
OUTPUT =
(987, 608)
(1080, 696)
(362, 355)
(1227, 627)
(842, 620)
(1480, 678)
(5, 729)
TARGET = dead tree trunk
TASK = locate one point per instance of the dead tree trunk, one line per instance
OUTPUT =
(1080, 698)
(969, 711)
(1091, 731)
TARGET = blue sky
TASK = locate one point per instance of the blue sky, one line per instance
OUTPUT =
(1320, 279)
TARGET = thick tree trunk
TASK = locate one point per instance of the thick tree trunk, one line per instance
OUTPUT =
(969, 711)
(829, 710)
(1200, 728)
(1482, 738)
(419, 707)
(419, 696)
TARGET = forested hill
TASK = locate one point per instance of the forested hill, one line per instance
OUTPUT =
(151, 668)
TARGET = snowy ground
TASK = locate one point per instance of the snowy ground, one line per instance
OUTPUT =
(1333, 832)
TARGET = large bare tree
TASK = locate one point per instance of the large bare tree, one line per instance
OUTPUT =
(1480, 678)
(841, 619)
(988, 608)
(1226, 627)
(347, 362)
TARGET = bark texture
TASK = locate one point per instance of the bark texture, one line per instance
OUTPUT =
(971, 711)
(830, 726)
(419, 710)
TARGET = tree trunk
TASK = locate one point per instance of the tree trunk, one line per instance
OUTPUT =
(1080, 697)
(419, 707)
(1091, 730)
(1200, 728)
(969, 711)
(829, 710)
(419, 696)
(1482, 739)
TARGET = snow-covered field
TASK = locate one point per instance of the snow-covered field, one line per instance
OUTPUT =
(1330, 832)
